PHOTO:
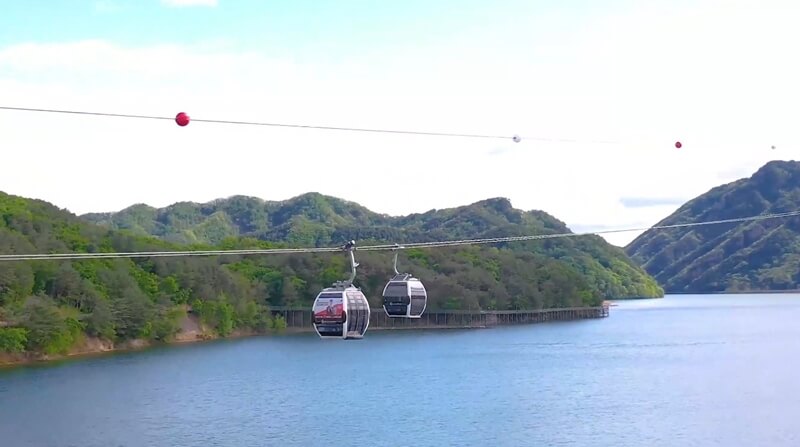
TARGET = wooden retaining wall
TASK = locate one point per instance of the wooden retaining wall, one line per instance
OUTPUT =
(301, 318)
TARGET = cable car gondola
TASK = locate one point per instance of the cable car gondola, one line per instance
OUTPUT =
(342, 310)
(404, 296)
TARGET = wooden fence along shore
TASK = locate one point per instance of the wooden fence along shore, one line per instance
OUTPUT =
(298, 319)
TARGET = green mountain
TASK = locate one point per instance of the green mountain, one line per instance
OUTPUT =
(314, 219)
(308, 219)
(52, 306)
(749, 256)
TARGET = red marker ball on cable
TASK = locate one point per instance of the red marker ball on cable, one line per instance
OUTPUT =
(182, 119)
(678, 144)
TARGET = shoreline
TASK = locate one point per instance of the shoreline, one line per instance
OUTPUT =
(143, 345)
(739, 292)
(8, 361)
(192, 332)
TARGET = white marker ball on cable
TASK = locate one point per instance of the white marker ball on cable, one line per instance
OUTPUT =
(516, 138)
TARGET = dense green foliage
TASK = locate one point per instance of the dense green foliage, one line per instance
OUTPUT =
(49, 306)
(13, 339)
(757, 255)
(313, 219)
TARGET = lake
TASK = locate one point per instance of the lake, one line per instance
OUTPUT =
(684, 370)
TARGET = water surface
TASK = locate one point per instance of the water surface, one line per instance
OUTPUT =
(681, 371)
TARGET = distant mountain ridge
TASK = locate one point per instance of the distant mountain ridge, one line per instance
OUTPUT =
(758, 255)
(314, 219)
(212, 222)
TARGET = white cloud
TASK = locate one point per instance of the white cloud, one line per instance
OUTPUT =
(716, 79)
(184, 3)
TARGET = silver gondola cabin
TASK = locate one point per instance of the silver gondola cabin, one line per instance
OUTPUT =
(342, 310)
(404, 296)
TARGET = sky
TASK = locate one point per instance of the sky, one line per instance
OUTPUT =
(621, 80)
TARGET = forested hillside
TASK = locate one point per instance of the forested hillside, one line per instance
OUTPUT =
(758, 255)
(310, 219)
(314, 219)
(49, 306)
